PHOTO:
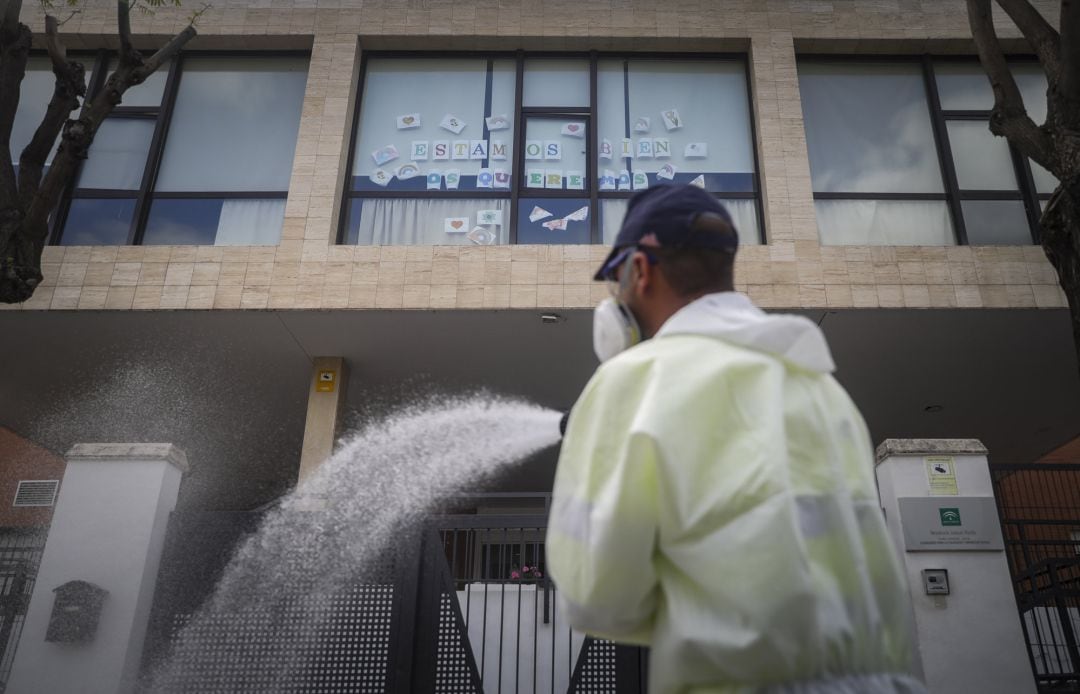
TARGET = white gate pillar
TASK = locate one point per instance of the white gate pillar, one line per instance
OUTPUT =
(939, 505)
(108, 530)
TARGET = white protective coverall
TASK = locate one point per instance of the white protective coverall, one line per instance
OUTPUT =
(715, 500)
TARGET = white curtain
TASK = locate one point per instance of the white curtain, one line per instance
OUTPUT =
(407, 221)
(743, 214)
(884, 223)
(250, 223)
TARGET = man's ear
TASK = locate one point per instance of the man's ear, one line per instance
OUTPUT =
(645, 272)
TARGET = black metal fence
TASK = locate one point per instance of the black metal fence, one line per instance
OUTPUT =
(20, 556)
(458, 612)
(1039, 505)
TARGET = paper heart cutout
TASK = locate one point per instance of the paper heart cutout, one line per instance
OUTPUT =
(573, 127)
(407, 120)
(457, 224)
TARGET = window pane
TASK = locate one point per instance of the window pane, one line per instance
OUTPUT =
(673, 109)
(555, 155)
(868, 128)
(234, 126)
(884, 222)
(98, 222)
(442, 222)
(398, 93)
(148, 93)
(996, 222)
(556, 82)
(215, 221)
(118, 156)
(563, 224)
(982, 159)
(964, 86)
(743, 213)
(1045, 182)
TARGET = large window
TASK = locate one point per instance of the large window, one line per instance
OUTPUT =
(900, 154)
(541, 149)
(200, 153)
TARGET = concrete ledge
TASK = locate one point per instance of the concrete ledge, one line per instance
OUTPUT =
(914, 447)
(128, 452)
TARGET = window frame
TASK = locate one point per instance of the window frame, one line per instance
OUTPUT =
(954, 195)
(521, 113)
(145, 194)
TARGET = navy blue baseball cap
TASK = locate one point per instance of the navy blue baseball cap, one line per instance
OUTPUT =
(672, 216)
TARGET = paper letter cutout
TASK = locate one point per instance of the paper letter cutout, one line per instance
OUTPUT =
(696, 150)
(605, 149)
(641, 180)
(661, 148)
(502, 178)
(485, 179)
(456, 225)
(671, 119)
(608, 180)
(461, 149)
(535, 178)
(624, 180)
(452, 177)
(497, 149)
(452, 123)
(573, 130)
(408, 121)
(434, 180)
(644, 148)
(385, 154)
(553, 150)
(489, 217)
(534, 149)
(538, 213)
(419, 150)
(407, 171)
(478, 149)
(380, 177)
(497, 122)
(627, 148)
(553, 178)
(440, 150)
(575, 180)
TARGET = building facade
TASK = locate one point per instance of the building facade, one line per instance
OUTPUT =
(421, 191)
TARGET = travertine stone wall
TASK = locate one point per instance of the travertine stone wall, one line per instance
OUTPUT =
(307, 270)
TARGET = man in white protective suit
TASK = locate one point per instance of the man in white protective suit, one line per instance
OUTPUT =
(715, 496)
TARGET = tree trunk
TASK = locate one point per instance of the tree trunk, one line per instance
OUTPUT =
(21, 264)
(1060, 230)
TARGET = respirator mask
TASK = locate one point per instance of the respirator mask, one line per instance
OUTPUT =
(614, 327)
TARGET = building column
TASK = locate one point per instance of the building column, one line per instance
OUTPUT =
(939, 505)
(108, 530)
(326, 405)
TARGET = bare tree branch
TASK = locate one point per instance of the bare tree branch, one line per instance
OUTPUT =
(123, 22)
(1069, 84)
(1008, 118)
(70, 86)
(9, 20)
(170, 49)
(56, 48)
(13, 57)
(1042, 37)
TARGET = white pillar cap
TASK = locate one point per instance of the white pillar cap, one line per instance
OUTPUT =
(134, 452)
(917, 447)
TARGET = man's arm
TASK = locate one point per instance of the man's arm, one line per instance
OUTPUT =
(602, 531)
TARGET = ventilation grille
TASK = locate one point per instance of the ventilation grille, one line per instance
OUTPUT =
(36, 492)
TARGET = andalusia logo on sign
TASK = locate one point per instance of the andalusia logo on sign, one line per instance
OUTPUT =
(949, 516)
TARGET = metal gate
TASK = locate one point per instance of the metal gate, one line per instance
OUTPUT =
(456, 612)
(20, 555)
(1039, 505)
